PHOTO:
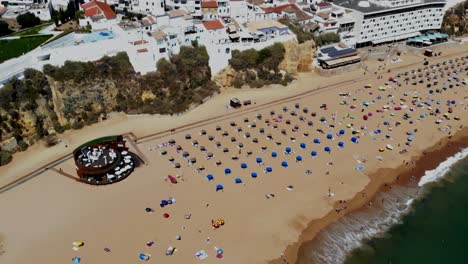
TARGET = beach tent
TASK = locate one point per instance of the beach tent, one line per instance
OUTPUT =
(303, 145)
(238, 180)
(327, 149)
(288, 149)
(284, 164)
(299, 158)
(219, 187)
(209, 177)
(313, 153)
(329, 136)
(274, 154)
(341, 144)
(227, 171)
(244, 165)
(259, 160)
(269, 169)
(144, 256)
(316, 141)
(254, 175)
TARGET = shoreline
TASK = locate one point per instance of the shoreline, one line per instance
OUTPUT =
(382, 180)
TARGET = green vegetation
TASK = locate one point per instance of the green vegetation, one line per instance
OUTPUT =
(16, 47)
(31, 31)
(4, 28)
(62, 16)
(5, 157)
(90, 90)
(259, 68)
(28, 20)
(455, 20)
(303, 36)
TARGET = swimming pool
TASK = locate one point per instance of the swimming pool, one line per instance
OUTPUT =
(97, 36)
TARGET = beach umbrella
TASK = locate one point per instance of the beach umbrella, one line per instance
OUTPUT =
(254, 175)
(148, 210)
(238, 180)
(354, 139)
(274, 154)
(327, 149)
(329, 136)
(244, 165)
(316, 141)
(188, 136)
(166, 215)
(410, 138)
(171, 141)
(164, 152)
(209, 177)
(341, 144)
(303, 145)
(284, 164)
(76, 260)
(299, 158)
(163, 203)
(288, 149)
(227, 171)
(342, 131)
(259, 160)
(185, 154)
(313, 153)
(177, 165)
(269, 169)
(219, 187)
(193, 160)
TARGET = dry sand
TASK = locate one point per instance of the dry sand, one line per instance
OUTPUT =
(42, 217)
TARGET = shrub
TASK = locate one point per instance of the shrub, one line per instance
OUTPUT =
(22, 146)
(51, 140)
(5, 157)
(27, 20)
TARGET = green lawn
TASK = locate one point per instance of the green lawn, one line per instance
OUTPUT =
(31, 31)
(16, 47)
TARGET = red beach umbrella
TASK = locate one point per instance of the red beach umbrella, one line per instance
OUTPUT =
(166, 215)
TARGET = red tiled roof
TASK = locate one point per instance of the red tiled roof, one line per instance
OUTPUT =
(279, 9)
(323, 4)
(142, 50)
(209, 4)
(211, 25)
(96, 8)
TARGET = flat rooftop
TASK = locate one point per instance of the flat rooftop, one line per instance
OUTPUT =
(371, 8)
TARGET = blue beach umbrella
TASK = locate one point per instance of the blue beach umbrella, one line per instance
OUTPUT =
(227, 171)
(185, 154)
(313, 153)
(329, 136)
(219, 187)
(244, 165)
(316, 141)
(209, 177)
(342, 131)
(259, 160)
(269, 169)
(163, 203)
(303, 145)
(274, 154)
(288, 149)
(238, 180)
(354, 139)
(410, 138)
(254, 175)
(284, 164)
(299, 158)
(327, 149)
(341, 144)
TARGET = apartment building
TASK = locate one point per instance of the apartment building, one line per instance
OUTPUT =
(384, 21)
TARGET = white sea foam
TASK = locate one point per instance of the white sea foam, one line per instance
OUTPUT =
(443, 168)
(349, 232)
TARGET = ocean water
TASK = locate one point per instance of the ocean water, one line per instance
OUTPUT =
(425, 224)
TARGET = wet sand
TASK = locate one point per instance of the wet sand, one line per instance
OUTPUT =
(42, 217)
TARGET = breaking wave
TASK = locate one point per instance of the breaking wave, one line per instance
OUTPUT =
(348, 233)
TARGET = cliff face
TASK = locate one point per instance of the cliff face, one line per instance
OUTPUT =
(298, 57)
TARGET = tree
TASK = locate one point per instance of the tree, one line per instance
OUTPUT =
(4, 30)
(27, 20)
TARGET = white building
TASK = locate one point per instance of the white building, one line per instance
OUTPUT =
(382, 21)
(154, 7)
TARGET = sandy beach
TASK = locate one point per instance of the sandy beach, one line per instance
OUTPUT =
(330, 137)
